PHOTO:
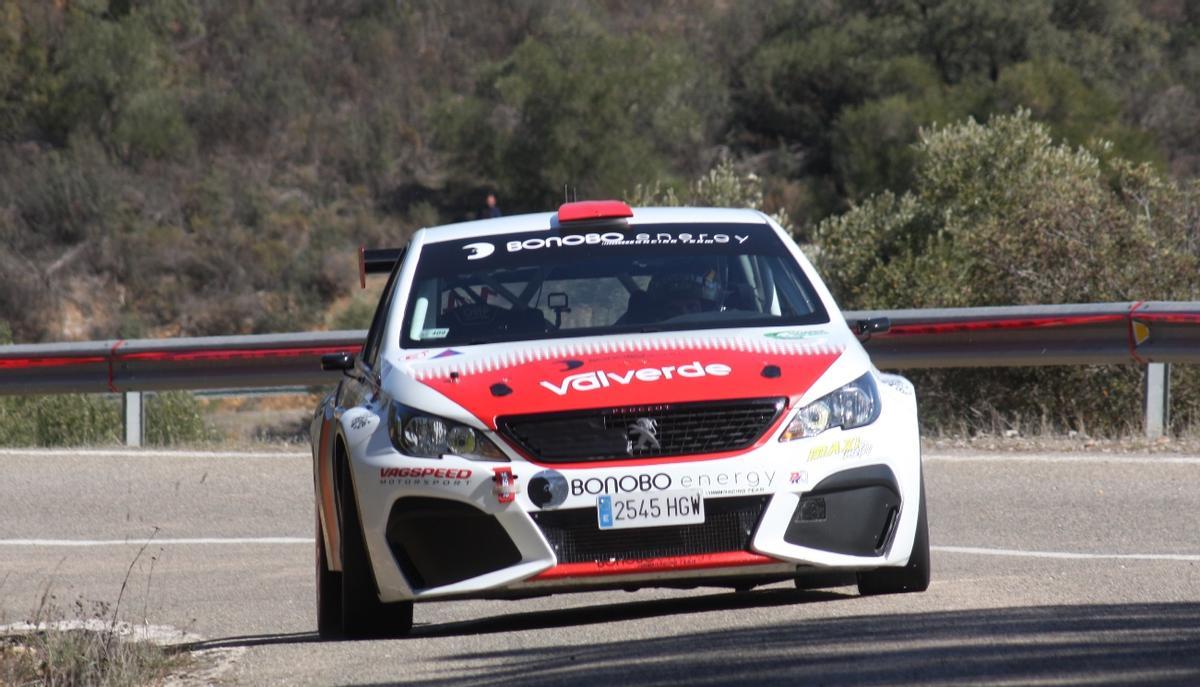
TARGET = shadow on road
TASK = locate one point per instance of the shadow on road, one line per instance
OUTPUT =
(1126, 644)
(537, 620)
(248, 641)
(633, 610)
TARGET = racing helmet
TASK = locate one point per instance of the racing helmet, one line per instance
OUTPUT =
(687, 281)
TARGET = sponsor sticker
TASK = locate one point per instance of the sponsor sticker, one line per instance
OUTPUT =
(898, 383)
(435, 333)
(845, 449)
(729, 483)
(418, 355)
(799, 477)
(591, 381)
(796, 334)
(478, 251)
(424, 477)
(611, 238)
(620, 484)
(548, 489)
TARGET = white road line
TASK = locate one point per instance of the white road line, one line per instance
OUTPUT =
(153, 453)
(1068, 555)
(1144, 459)
(154, 542)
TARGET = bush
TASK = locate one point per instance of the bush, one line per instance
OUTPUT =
(59, 420)
(173, 417)
(722, 186)
(1002, 215)
(578, 106)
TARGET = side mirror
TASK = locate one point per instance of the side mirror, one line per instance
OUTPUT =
(337, 362)
(863, 329)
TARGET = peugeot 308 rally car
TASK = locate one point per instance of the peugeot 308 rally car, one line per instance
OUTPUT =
(604, 398)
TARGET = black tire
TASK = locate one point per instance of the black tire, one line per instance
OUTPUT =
(329, 593)
(364, 616)
(913, 577)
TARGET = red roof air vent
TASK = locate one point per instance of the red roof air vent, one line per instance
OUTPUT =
(593, 209)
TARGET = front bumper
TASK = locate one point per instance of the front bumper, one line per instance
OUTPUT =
(839, 501)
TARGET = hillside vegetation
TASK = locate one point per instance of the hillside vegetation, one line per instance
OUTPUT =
(179, 167)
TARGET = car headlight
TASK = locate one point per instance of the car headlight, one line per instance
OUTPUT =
(854, 405)
(428, 436)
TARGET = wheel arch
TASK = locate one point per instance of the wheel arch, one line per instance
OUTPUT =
(330, 457)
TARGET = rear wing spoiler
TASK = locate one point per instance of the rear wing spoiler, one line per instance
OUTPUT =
(375, 261)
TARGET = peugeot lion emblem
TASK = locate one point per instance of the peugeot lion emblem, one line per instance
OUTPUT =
(645, 433)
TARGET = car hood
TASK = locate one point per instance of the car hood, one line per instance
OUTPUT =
(495, 380)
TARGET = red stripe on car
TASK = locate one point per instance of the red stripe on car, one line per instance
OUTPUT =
(702, 561)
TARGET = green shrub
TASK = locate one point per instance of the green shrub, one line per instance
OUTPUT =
(73, 420)
(722, 186)
(1002, 215)
(175, 417)
(577, 105)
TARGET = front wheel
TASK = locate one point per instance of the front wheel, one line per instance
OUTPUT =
(913, 577)
(364, 616)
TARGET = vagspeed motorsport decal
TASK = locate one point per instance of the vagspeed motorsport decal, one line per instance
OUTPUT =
(426, 477)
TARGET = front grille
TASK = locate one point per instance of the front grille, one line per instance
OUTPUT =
(675, 429)
(576, 537)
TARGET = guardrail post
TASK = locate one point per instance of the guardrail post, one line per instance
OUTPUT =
(134, 417)
(1158, 399)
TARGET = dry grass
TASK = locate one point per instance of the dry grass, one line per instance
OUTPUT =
(70, 653)
(88, 645)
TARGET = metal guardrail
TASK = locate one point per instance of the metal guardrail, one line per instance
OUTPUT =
(1026, 335)
(213, 362)
(1153, 332)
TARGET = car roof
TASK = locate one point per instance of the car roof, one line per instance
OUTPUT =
(549, 220)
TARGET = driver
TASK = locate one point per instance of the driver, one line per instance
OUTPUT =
(677, 293)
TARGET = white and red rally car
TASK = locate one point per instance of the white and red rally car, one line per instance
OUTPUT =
(608, 398)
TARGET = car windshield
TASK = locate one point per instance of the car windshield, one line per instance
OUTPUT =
(586, 282)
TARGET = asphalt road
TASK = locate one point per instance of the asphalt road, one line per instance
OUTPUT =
(1048, 569)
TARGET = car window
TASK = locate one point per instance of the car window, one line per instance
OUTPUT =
(370, 351)
(560, 283)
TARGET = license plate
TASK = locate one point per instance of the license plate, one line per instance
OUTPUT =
(680, 507)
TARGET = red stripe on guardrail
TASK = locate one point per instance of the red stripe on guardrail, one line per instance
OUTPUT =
(1021, 323)
(1169, 318)
(172, 356)
(39, 361)
(236, 353)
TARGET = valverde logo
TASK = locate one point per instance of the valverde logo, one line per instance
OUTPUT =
(590, 381)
